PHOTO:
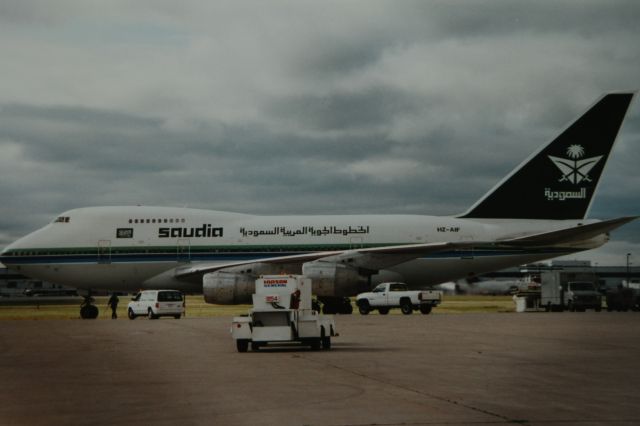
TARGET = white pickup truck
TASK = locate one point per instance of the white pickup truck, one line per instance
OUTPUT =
(393, 295)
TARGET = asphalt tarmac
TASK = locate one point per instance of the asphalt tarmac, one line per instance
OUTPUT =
(532, 368)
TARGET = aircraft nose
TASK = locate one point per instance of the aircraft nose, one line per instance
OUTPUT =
(9, 251)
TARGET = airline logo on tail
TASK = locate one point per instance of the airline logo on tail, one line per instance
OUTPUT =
(574, 170)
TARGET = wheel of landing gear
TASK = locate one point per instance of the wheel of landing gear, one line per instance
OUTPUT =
(329, 309)
(89, 312)
(347, 307)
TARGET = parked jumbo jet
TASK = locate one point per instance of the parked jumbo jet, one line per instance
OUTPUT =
(537, 212)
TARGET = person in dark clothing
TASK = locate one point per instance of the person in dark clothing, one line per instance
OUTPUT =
(113, 303)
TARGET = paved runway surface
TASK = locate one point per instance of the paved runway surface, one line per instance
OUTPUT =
(539, 369)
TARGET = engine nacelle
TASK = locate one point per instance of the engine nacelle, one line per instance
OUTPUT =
(235, 285)
(331, 279)
(228, 288)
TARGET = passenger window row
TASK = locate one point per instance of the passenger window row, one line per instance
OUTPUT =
(165, 220)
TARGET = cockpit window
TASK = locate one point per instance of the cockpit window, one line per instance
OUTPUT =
(62, 219)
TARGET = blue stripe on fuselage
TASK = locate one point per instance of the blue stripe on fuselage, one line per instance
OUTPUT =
(236, 256)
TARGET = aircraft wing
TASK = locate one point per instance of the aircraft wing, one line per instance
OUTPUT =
(569, 235)
(368, 258)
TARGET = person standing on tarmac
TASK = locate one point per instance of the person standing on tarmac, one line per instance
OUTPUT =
(113, 303)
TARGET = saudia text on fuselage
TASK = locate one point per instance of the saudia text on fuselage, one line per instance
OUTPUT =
(204, 231)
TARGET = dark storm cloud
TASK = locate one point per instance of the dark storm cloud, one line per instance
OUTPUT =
(83, 137)
(373, 107)
(497, 18)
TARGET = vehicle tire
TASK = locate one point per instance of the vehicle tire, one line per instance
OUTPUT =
(326, 343)
(130, 314)
(363, 307)
(151, 315)
(315, 344)
(570, 307)
(598, 309)
(425, 309)
(383, 311)
(405, 306)
(177, 316)
(325, 340)
(242, 345)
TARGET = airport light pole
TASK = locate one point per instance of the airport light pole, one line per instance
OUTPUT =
(628, 275)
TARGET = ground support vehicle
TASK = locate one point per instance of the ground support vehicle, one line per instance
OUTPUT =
(282, 313)
(573, 291)
(156, 303)
(622, 299)
(386, 296)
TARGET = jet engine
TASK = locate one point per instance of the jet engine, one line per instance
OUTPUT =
(330, 279)
(235, 285)
(228, 288)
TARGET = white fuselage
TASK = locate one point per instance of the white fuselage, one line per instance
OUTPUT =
(121, 248)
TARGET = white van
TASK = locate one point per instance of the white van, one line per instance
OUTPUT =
(156, 303)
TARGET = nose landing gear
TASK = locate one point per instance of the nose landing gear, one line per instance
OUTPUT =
(87, 309)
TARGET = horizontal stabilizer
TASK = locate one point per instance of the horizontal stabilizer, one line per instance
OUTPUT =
(570, 235)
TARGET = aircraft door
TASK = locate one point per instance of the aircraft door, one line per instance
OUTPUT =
(184, 250)
(104, 251)
(393, 298)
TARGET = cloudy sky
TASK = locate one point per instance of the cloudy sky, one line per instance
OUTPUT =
(303, 107)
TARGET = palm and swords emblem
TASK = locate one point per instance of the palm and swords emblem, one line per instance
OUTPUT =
(573, 169)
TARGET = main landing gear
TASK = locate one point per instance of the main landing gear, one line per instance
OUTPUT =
(87, 309)
(336, 305)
